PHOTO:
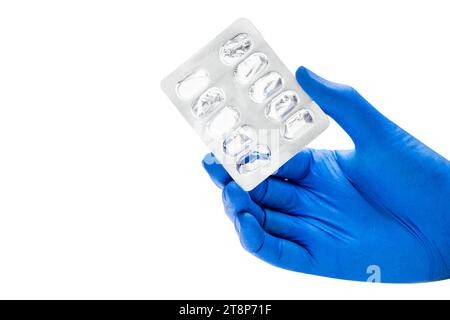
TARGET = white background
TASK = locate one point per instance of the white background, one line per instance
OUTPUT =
(102, 194)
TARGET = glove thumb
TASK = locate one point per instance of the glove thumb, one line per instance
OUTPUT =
(346, 106)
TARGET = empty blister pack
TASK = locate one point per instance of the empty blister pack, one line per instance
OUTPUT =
(245, 104)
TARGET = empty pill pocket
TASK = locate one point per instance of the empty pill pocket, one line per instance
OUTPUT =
(297, 124)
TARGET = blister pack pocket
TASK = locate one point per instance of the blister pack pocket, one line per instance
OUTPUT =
(245, 104)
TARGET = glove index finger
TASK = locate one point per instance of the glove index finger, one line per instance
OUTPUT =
(216, 171)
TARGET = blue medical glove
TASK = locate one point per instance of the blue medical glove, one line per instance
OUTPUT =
(378, 212)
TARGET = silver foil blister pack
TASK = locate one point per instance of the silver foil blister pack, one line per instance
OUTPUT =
(245, 104)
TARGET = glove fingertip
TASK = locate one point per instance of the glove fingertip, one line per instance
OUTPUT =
(215, 170)
(314, 84)
(304, 75)
(208, 160)
(301, 72)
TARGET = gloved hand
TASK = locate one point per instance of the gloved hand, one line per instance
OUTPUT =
(378, 212)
